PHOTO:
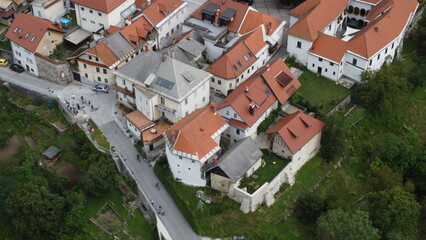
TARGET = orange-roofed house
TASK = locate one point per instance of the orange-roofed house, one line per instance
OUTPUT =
(30, 36)
(223, 22)
(166, 17)
(343, 38)
(253, 101)
(94, 15)
(97, 64)
(297, 137)
(239, 63)
(137, 122)
(192, 144)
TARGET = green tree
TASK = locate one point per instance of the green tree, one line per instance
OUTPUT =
(418, 174)
(309, 207)
(333, 139)
(384, 178)
(36, 213)
(338, 225)
(394, 210)
(100, 178)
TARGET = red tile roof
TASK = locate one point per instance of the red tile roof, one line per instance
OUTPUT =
(105, 6)
(255, 19)
(104, 53)
(137, 31)
(193, 134)
(33, 26)
(297, 129)
(304, 8)
(158, 10)
(316, 15)
(258, 92)
(329, 47)
(274, 74)
(237, 19)
(139, 120)
(384, 29)
(228, 65)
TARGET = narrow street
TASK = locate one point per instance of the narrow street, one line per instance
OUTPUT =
(143, 173)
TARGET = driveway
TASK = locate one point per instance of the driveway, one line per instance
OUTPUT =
(143, 173)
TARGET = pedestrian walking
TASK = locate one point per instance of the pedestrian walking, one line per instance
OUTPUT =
(82, 98)
(78, 106)
(73, 96)
(89, 102)
(152, 202)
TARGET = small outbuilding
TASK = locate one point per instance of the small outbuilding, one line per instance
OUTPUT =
(52, 153)
(242, 159)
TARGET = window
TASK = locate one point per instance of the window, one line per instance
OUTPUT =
(124, 82)
(91, 11)
(186, 101)
(248, 71)
(237, 131)
(371, 61)
(242, 76)
(98, 69)
(329, 27)
(354, 61)
(230, 85)
(99, 14)
(180, 157)
(212, 79)
(227, 112)
(378, 57)
(331, 64)
(97, 59)
(99, 79)
(86, 75)
(392, 44)
(219, 82)
(162, 101)
(84, 65)
(239, 63)
(386, 50)
(105, 71)
(106, 80)
(326, 70)
(48, 33)
(90, 57)
(313, 64)
(173, 30)
(82, 8)
(177, 27)
(92, 22)
(235, 115)
(299, 44)
(167, 35)
(334, 73)
(204, 99)
(320, 59)
(84, 19)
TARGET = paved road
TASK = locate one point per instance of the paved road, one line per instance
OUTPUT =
(173, 220)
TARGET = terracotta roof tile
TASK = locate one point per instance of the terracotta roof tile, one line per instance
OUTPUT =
(105, 6)
(139, 120)
(297, 129)
(304, 8)
(193, 134)
(255, 19)
(138, 31)
(317, 18)
(239, 57)
(272, 74)
(156, 12)
(384, 29)
(104, 53)
(240, 100)
(27, 31)
(238, 18)
(329, 47)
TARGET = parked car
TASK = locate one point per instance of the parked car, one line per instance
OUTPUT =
(3, 62)
(16, 68)
(101, 88)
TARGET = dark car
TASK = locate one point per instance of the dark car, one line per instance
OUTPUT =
(16, 68)
(101, 88)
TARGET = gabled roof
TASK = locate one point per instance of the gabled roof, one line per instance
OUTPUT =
(112, 48)
(239, 158)
(329, 47)
(254, 19)
(280, 80)
(158, 10)
(136, 32)
(27, 31)
(385, 28)
(105, 6)
(315, 16)
(240, 57)
(297, 129)
(194, 134)
(253, 91)
(237, 19)
(140, 67)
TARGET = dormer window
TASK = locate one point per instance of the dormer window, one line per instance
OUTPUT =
(33, 38)
(26, 35)
(209, 11)
(227, 16)
(16, 29)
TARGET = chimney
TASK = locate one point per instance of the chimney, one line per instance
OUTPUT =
(251, 109)
(216, 19)
(269, 28)
(202, 129)
(246, 89)
(213, 107)
(376, 28)
(223, 2)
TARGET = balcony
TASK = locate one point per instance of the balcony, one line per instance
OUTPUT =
(167, 110)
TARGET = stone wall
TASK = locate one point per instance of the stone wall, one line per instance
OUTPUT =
(53, 70)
